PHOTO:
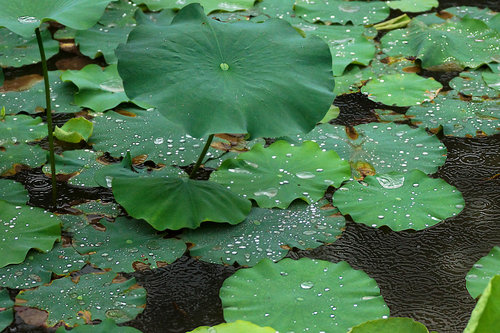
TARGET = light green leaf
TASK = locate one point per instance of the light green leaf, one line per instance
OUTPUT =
(332, 113)
(239, 326)
(485, 317)
(21, 128)
(74, 130)
(208, 5)
(413, 6)
(392, 325)
(482, 272)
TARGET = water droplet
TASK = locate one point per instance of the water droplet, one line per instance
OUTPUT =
(305, 175)
(270, 192)
(114, 85)
(391, 181)
(224, 66)
(116, 313)
(27, 19)
(306, 285)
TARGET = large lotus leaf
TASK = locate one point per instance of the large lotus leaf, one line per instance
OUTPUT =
(458, 117)
(13, 192)
(492, 79)
(164, 17)
(392, 325)
(282, 9)
(385, 147)
(239, 326)
(16, 51)
(96, 296)
(472, 84)
(104, 176)
(494, 23)
(74, 130)
(454, 44)
(6, 309)
(485, 317)
(21, 128)
(163, 142)
(24, 228)
(177, 202)
(32, 156)
(482, 272)
(23, 16)
(209, 5)
(123, 244)
(104, 209)
(102, 40)
(302, 295)
(209, 79)
(119, 13)
(265, 233)
(33, 99)
(402, 89)
(399, 200)
(107, 326)
(277, 175)
(413, 6)
(483, 14)
(340, 11)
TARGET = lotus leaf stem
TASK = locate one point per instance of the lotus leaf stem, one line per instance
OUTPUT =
(202, 156)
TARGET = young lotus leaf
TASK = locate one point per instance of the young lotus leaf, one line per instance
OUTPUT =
(486, 315)
(458, 117)
(21, 128)
(24, 228)
(239, 326)
(266, 233)
(208, 79)
(209, 5)
(413, 6)
(281, 173)
(393, 325)
(399, 200)
(453, 45)
(32, 156)
(177, 202)
(107, 326)
(492, 79)
(402, 89)
(6, 309)
(472, 84)
(23, 16)
(340, 11)
(74, 130)
(482, 272)
(122, 244)
(96, 296)
(302, 295)
(13, 192)
(105, 175)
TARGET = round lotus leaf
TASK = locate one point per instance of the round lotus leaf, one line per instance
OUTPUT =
(413, 6)
(13, 192)
(340, 11)
(392, 325)
(266, 233)
(122, 244)
(277, 175)
(486, 315)
(74, 130)
(24, 228)
(208, 5)
(302, 295)
(472, 84)
(399, 200)
(458, 117)
(23, 16)
(21, 128)
(7, 309)
(96, 296)
(482, 272)
(239, 326)
(202, 75)
(402, 89)
(102, 40)
(492, 79)
(107, 326)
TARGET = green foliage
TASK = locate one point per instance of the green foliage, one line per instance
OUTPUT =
(476, 83)
(392, 325)
(6, 309)
(21, 128)
(74, 130)
(413, 6)
(485, 317)
(482, 272)
(239, 326)
(208, 5)
(107, 326)
(13, 192)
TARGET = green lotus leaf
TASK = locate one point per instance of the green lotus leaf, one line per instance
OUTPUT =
(281, 173)
(413, 6)
(486, 315)
(384, 147)
(32, 156)
(332, 113)
(482, 272)
(213, 81)
(402, 89)
(104, 209)
(18, 50)
(13, 192)
(492, 79)
(452, 45)
(2, 77)
(176, 202)
(387, 116)
(208, 5)
(94, 295)
(302, 295)
(124, 243)
(23, 16)
(340, 11)
(265, 233)
(21, 128)
(239, 326)
(393, 325)
(6, 309)
(458, 117)
(473, 84)
(102, 40)
(119, 13)
(282, 9)
(494, 23)
(24, 228)
(74, 130)
(399, 200)
(105, 175)
(483, 14)
(107, 326)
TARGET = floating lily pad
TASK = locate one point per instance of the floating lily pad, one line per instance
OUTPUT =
(21, 128)
(13, 192)
(233, 88)
(282, 9)
(32, 156)
(399, 200)
(105, 175)
(74, 130)
(393, 324)
(107, 326)
(402, 89)
(482, 272)
(94, 296)
(266, 233)
(413, 6)
(458, 117)
(472, 84)
(239, 326)
(209, 5)
(492, 79)
(281, 173)
(340, 11)
(302, 295)
(7, 309)
(164, 17)
(102, 40)
(108, 209)
(486, 315)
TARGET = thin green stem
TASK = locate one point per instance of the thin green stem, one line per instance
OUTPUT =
(202, 156)
(49, 116)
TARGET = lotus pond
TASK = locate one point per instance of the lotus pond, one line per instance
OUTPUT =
(249, 166)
